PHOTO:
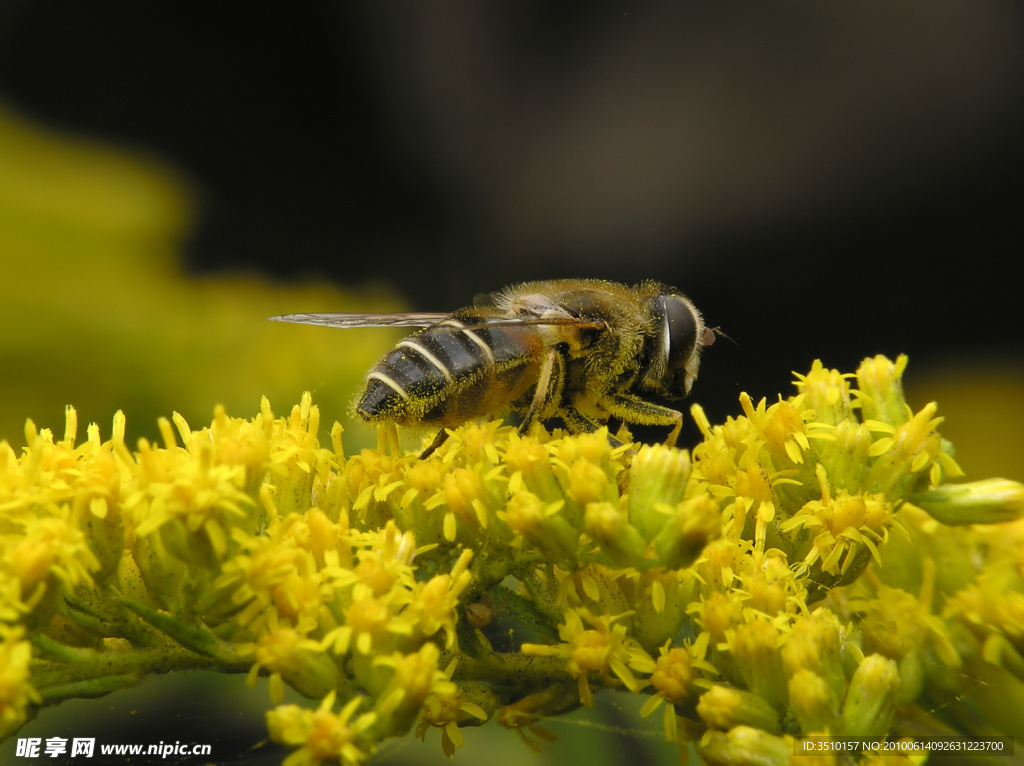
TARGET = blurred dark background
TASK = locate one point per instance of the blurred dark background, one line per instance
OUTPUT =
(830, 180)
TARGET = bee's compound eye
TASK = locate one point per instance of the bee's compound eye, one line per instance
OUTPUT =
(683, 325)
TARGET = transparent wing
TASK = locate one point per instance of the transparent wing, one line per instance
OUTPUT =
(431, 319)
(364, 320)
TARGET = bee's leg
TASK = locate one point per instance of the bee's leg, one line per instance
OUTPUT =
(578, 423)
(549, 387)
(633, 409)
(441, 438)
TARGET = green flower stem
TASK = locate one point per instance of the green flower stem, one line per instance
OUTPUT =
(95, 687)
(541, 601)
(105, 619)
(63, 672)
(510, 669)
(199, 640)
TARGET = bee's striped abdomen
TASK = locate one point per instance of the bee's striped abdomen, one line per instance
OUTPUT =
(448, 373)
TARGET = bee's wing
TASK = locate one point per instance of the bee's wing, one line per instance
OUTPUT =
(364, 320)
(430, 319)
(583, 324)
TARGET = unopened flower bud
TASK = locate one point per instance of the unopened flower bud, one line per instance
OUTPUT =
(991, 501)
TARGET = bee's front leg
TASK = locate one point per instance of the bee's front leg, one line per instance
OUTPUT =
(550, 383)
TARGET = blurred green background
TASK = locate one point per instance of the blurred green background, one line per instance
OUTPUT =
(823, 181)
(99, 313)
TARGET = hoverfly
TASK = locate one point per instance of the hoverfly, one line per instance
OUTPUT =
(582, 350)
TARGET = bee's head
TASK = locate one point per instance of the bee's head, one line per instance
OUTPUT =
(672, 356)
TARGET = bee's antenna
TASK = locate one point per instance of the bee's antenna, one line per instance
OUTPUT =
(716, 331)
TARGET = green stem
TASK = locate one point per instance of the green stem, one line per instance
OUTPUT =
(106, 618)
(199, 639)
(62, 671)
(541, 603)
(95, 687)
(510, 669)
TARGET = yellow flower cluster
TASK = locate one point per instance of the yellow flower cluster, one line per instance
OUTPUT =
(804, 572)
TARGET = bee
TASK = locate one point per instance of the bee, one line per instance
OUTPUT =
(581, 350)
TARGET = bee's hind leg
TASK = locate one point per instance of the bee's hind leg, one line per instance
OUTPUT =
(441, 438)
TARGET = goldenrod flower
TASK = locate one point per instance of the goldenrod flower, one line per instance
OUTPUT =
(990, 501)
(529, 463)
(746, 744)
(448, 706)
(606, 523)
(675, 680)
(804, 570)
(410, 680)
(657, 475)
(274, 573)
(814, 645)
(871, 700)
(724, 708)
(16, 692)
(756, 647)
(541, 524)
(846, 529)
(813, 702)
(604, 649)
(370, 624)
(435, 604)
(389, 563)
(687, 529)
(323, 735)
(298, 661)
(827, 393)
